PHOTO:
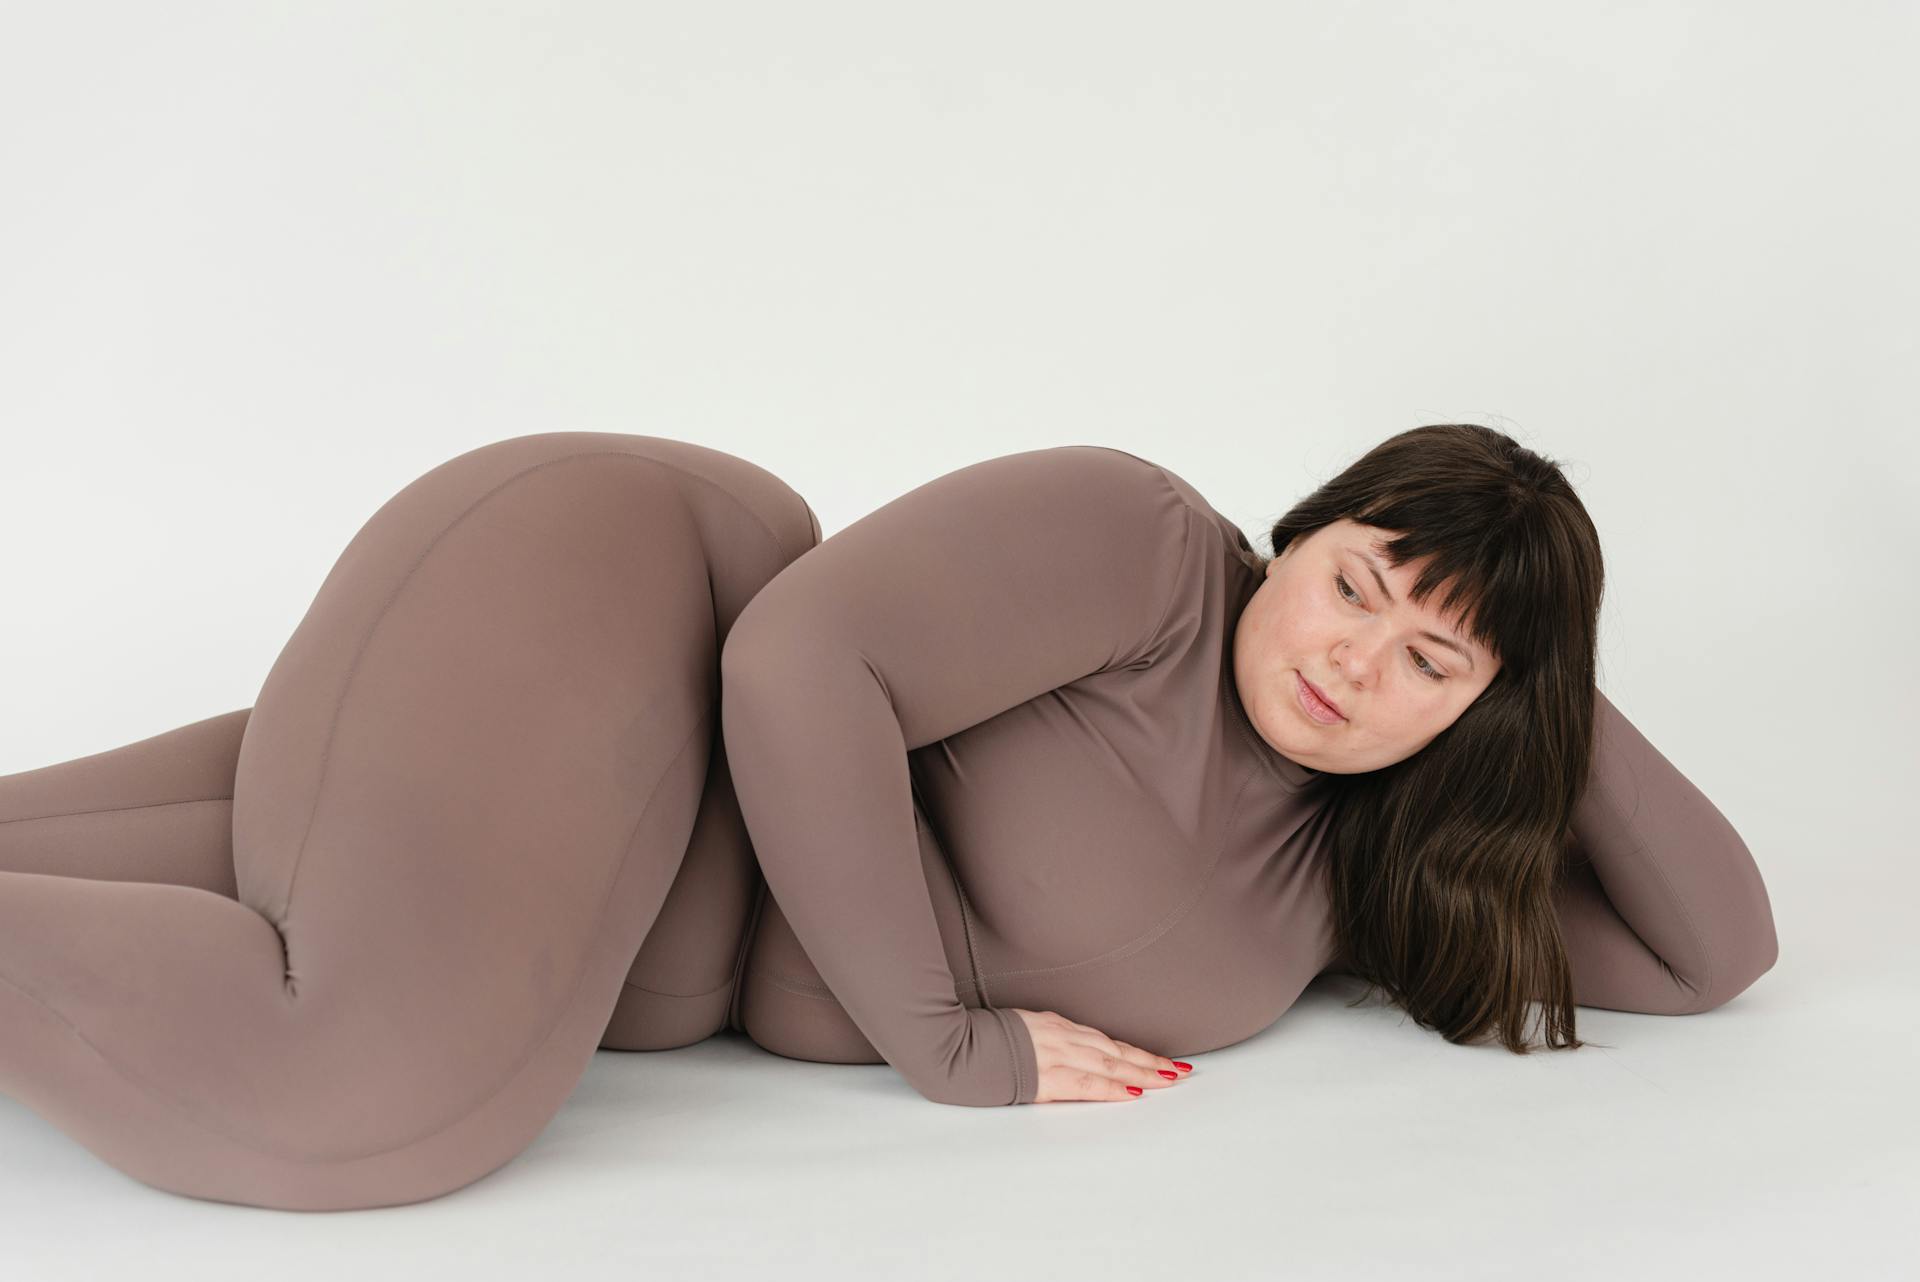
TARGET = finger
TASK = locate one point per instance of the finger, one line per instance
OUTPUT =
(1113, 1064)
(1160, 1064)
(1088, 1085)
(1064, 1083)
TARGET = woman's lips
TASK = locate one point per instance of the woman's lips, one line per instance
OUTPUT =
(1317, 705)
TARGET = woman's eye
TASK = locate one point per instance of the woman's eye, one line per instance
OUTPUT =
(1419, 660)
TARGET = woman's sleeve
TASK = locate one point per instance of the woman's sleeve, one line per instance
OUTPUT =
(1662, 909)
(982, 589)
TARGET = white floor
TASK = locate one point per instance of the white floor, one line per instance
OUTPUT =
(1773, 1138)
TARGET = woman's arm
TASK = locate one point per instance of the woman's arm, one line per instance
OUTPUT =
(1662, 910)
(974, 593)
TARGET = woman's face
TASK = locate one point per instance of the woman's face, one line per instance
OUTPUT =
(1321, 613)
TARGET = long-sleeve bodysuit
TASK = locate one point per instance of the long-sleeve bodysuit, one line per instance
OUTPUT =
(355, 945)
(988, 746)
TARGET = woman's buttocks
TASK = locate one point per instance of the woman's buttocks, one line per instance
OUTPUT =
(750, 525)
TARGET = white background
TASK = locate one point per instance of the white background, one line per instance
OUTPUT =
(263, 264)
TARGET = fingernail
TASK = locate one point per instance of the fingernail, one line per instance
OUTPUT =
(1134, 1090)
(1171, 1077)
(1185, 1068)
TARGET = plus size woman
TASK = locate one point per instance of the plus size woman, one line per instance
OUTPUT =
(1026, 783)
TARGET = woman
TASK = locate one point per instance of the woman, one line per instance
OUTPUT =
(355, 945)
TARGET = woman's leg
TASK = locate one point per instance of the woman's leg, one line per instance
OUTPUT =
(160, 810)
(685, 984)
(459, 804)
(681, 987)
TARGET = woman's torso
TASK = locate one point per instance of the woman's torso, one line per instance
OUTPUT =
(1124, 849)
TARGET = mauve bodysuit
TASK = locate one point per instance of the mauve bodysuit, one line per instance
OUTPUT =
(989, 750)
(355, 945)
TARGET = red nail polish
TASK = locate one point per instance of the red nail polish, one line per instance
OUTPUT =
(1171, 1077)
(1134, 1090)
(1185, 1068)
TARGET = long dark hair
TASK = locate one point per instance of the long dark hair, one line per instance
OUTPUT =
(1442, 867)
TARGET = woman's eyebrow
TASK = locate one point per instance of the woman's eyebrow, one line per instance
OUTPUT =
(1374, 568)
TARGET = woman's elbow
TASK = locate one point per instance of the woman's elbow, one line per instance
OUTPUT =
(1730, 980)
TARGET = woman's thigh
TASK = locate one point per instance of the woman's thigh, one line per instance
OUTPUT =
(160, 809)
(459, 804)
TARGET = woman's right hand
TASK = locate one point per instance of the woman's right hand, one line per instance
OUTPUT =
(1080, 1063)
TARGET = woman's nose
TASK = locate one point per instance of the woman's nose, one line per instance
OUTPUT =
(1354, 663)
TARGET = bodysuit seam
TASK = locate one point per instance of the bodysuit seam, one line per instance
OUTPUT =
(1686, 913)
(107, 810)
(787, 983)
(1186, 541)
(1173, 590)
(740, 957)
(353, 668)
(966, 929)
(1013, 1060)
(659, 992)
(733, 498)
(960, 893)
